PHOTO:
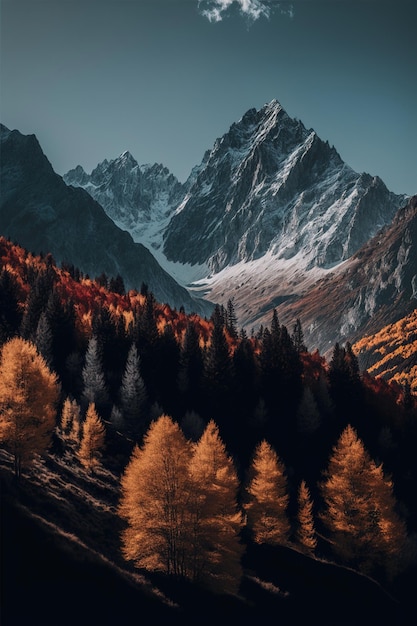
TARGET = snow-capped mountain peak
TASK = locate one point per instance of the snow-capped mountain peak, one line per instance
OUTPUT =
(138, 198)
(270, 197)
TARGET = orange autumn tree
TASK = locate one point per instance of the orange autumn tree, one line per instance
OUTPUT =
(180, 504)
(92, 439)
(306, 532)
(360, 508)
(155, 492)
(29, 393)
(267, 497)
(216, 520)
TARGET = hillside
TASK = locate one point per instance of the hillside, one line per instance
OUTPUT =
(391, 353)
(374, 288)
(196, 370)
(40, 212)
(64, 518)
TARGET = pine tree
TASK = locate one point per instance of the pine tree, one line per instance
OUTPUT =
(133, 396)
(191, 366)
(231, 319)
(267, 497)
(29, 393)
(218, 366)
(360, 512)
(10, 312)
(216, 519)
(44, 339)
(167, 365)
(308, 415)
(61, 319)
(95, 388)
(92, 440)
(298, 337)
(306, 532)
(37, 301)
(155, 494)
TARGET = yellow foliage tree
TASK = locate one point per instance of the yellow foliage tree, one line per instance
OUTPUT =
(216, 521)
(155, 492)
(360, 513)
(267, 497)
(306, 533)
(70, 426)
(29, 393)
(92, 440)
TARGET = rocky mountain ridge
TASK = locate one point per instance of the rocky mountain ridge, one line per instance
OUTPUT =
(270, 211)
(42, 213)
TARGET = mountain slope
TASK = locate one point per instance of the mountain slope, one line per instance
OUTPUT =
(139, 199)
(43, 214)
(271, 210)
(271, 185)
(392, 352)
(84, 580)
(377, 286)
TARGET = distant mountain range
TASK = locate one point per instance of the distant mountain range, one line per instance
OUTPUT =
(271, 218)
(270, 212)
(43, 214)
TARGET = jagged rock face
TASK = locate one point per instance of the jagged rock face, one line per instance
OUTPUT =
(270, 184)
(376, 287)
(139, 198)
(40, 212)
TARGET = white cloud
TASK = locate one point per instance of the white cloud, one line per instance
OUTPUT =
(216, 10)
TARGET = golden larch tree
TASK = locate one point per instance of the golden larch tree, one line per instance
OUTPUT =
(70, 425)
(216, 520)
(29, 393)
(306, 532)
(267, 497)
(360, 512)
(155, 492)
(92, 440)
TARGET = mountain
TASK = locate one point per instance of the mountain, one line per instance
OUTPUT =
(377, 286)
(270, 210)
(139, 198)
(42, 213)
(269, 185)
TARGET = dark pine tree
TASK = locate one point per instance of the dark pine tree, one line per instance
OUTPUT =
(110, 333)
(133, 395)
(231, 319)
(218, 371)
(44, 340)
(117, 285)
(95, 387)
(245, 390)
(167, 365)
(191, 369)
(40, 289)
(10, 312)
(145, 333)
(61, 318)
(298, 337)
(346, 391)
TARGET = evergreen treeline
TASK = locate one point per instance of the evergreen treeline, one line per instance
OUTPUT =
(122, 360)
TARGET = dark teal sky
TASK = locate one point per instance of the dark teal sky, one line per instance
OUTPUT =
(92, 78)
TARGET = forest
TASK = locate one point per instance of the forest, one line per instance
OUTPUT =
(232, 442)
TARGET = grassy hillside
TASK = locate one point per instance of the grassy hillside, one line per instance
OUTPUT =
(61, 565)
(391, 353)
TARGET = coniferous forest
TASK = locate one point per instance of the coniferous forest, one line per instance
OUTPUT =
(240, 474)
